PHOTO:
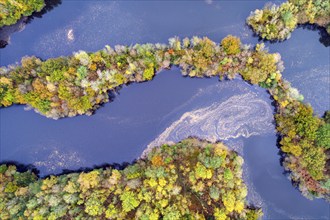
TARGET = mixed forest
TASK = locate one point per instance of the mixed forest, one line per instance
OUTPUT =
(189, 180)
(67, 86)
(276, 22)
(205, 179)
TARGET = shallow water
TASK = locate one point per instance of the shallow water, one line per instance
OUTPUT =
(171, 107)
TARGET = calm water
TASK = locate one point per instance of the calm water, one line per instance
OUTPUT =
(148, 114)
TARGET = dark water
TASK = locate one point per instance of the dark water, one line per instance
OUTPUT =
(170, 107)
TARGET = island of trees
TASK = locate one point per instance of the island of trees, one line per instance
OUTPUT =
(277, 22)
(12, 10)
(68, 86)
(188, 180)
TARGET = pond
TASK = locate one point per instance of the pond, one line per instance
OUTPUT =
(171, 107)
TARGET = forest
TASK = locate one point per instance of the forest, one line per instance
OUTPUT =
(189, 180)
(68, 86)
(79, 84)
(12, 11)
(277, 22)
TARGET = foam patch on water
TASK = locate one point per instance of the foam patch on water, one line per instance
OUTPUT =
(52, 157)
(240, 115)
(55, 159)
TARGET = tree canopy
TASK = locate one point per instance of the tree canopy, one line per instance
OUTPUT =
(186, 186)
(277, 22)
(79, 84)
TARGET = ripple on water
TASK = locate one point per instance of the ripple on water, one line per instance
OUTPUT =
(311, 84)
(55, 160)
(51, 157)
(92, 24)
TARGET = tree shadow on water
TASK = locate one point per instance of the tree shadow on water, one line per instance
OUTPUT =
(7, 31)
(117, 166)
(324, 36)
(21, 167)
(30, 167)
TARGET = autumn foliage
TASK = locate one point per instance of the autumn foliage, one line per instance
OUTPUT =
(277, 22)
(197, 180)
(79, 84)
(12, 10)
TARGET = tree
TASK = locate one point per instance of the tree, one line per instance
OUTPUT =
(129, 201)
(231, 45)
(88, 180)
(323, 136)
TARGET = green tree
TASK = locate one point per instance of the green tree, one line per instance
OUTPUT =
(231, 45)
(323, 136)
(129, 201)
